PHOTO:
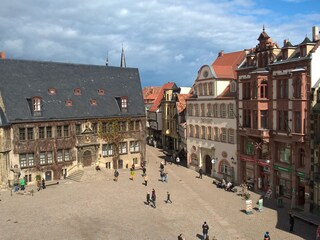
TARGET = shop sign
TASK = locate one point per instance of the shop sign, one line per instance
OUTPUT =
(282, 168)
(245, 158)
(249, 206)
(300, 174)
(260, 204)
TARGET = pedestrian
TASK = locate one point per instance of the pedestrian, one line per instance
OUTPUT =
(161, 175)
(165, 176)
(153, 198)
(98, 168)
(266, 236)
(145, 180)
(148, 198)
(205, 230)
(291, 221)
(38, 185)
(43, 183)
(16, 185)
(200, 173)
(132, 174)
(161, 166)
(168, 198)
(144, 170)
(116, 175)
(181, 237)
(22, 184)
(133, 166)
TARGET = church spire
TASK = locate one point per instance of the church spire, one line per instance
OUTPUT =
(123, 59)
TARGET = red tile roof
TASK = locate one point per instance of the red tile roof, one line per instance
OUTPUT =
(150, 90)
(224, 66)
(181, 104)
(156, 103)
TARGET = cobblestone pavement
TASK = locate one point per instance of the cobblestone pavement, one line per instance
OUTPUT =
(99, 208)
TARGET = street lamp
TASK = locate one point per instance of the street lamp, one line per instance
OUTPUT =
(213, 161)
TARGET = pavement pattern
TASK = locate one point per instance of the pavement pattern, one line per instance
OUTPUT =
(98, 208)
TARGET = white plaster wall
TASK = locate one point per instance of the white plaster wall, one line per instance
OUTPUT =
(315, 67)
(221, 86)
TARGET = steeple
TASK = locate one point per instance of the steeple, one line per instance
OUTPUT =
(107, 59)
(123, 59)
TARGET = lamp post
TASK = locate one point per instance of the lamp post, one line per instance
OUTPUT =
(213, 161)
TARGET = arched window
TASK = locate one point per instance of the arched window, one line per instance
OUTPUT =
(233, 86)
(197, 131)
(209, 110)
(196, 110)
(200, 93)
(209, 133)
(203, 132)
(225, 168)
(191, 131)
(215, 110)
(231, 110)
(205, 89)
(231, 135)
(202, 110)
(190, 110)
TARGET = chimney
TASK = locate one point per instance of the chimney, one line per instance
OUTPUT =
(2, 55)
(315, 33)
(220, 53)
(285, 42)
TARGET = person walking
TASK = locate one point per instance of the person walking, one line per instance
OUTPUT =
(165, 176)
(168, 198)
(291, 221)
(22, 184)
(205, 230)
(200, 173)
(116, 175)
(153, 198)
(132, 174)
(145, 180)
(144, 170)
(148, 198)
(43, 183)
(266, 236)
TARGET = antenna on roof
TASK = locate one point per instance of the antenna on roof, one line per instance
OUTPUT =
(263, 28)
(107, 60)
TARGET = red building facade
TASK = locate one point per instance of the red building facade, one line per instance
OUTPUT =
(274, 118)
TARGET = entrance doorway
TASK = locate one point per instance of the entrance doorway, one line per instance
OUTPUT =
(301, 192)
(120, 164)
(48, 175)
(87, 158)
(208, 165)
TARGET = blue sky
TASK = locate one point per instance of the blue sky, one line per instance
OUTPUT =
(168, 40)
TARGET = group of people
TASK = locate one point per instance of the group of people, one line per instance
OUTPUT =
(21, 184)
(226, 186)
(151, 199)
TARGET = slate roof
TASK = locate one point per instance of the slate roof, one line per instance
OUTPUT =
(21, 80)
(225, 66)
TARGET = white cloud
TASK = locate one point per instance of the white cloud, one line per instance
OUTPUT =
(159, 37)
(179, 57)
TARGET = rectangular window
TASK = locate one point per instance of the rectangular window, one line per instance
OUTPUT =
(297, 122)
(66, 130)
(124, 102)
(107, 150)
(104, 127)
(59, 131)
(223, 110)
(122, 126)
(134, 146)
(196, 110)
(264, 119)
(67, 155)
(59, 156)
(123, 148)
(78, 129)
(202, 111)
(23, 160)
(230, 110)
(30, 159)
(211, 89)
(223, 134)
(36, 104)
(41, 133)
(49, 132)
(263, 90)
(190, 109)
(137, 126)
(209, 133)
(255, 119)
(22, 134)
(231, 136)
(135, 160)
(42, 158)
(284, 153)
(203, 132)
(215, 110)
(131, 126)
(30, 133)
(95, 128)
(49, 157)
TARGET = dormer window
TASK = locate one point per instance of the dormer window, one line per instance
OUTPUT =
(36, 102)
(303, 51)
(93, 102)
(52, 91)
(77, 91)
(124, 102)
(69, 103)
(101, 92)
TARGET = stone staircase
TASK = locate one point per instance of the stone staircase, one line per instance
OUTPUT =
(76, 175)
(88, 174)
